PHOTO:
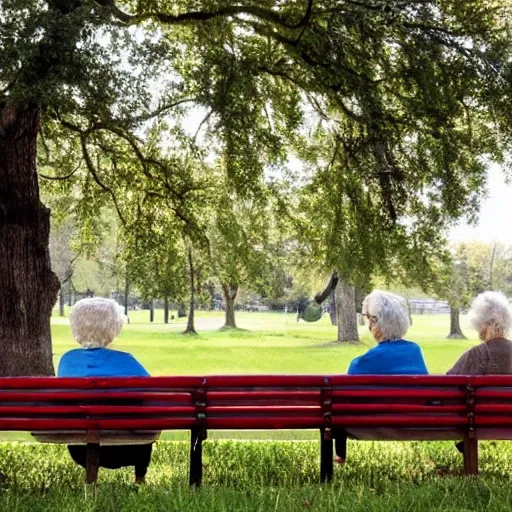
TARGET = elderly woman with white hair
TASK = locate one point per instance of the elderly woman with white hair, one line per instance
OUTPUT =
(95, 322)
(491, 316)
(388, 319)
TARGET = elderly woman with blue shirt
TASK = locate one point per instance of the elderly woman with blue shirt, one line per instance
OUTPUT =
(95, 322)
(388, 321)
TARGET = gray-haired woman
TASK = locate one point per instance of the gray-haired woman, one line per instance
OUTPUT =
(491, 316)
(388, 320)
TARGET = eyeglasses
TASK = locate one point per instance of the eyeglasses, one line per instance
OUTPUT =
(371, 318)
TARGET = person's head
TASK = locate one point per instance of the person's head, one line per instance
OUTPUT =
(491, 315)
(95, 322)
(387, 315)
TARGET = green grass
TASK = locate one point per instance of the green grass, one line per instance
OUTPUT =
(263, 476)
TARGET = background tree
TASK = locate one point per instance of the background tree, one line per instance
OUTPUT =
(462, 279)
(62, 255)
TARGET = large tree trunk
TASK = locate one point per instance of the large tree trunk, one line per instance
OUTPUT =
(332, 310)
(166, 310)
(29, 287)
(151, 311)
(61, 301)
(491, 266)
(455, 330)
(409, 311)
(182, 311)
(230, 291)
(191, 310)
(346, 314)
(70, 293)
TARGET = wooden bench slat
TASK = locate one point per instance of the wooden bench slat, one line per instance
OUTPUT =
(399, 393)
(80, 396)
(397, 408)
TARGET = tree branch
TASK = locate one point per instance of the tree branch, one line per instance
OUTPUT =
(58, 178)
(160, 110)
(233, 10)
(262, 13)
(94, 174)
(201, 124)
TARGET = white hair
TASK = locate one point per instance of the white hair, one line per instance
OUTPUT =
(96, 321)
(491, 311)
(389, 313)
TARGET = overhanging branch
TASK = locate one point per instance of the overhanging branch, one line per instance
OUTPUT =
(256, 11)
(94, 174)
(60, 178)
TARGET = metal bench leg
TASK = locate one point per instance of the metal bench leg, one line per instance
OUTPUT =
(92, 458)
(470, 454)
(197, 436)
(326, 455)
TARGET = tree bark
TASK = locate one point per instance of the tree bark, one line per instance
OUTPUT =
(346, 314)
(166, 310)
(29, 287)
(61, 301)
(332, 311)
(191, 310)
(151, 311)
(455, 330)
(230, 291)
(491, 266)
(70, 293)
(182, 312)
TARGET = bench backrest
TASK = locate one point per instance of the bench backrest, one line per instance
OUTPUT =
(256, 402)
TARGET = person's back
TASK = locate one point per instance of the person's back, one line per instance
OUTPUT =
(393, 357)
(95, 322)
(388, 320)
(493, 357)
(491, 316)
(99, 362)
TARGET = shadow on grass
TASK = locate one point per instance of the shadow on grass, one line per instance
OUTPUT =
(226, 328)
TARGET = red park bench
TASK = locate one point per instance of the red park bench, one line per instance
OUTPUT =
(94, 411)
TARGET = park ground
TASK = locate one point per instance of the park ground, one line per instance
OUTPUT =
(261, 471)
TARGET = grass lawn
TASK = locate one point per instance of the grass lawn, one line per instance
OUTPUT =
(261, 477)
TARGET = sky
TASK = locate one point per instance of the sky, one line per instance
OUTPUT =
(495, 219)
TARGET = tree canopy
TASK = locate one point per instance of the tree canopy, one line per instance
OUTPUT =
(392, 106)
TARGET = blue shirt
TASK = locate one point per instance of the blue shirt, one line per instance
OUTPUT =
(397, 357)
(99, 362)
